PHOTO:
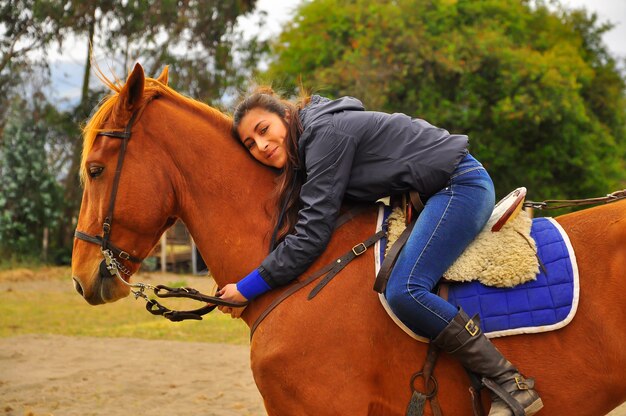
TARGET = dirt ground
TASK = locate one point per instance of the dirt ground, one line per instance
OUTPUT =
(45, 375)
(57, 375)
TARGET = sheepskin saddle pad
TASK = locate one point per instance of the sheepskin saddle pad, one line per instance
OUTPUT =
(546, 302)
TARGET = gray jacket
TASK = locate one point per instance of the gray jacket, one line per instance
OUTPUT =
(363, 155)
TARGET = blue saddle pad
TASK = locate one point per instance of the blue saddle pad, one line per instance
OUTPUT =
(545, 304)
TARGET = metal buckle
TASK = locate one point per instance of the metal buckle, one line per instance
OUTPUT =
(521, 383)
(109, 261)
(471, 327)
(124, 255)
(359, 249)
(108, 256)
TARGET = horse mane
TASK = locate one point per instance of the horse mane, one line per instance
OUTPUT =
(152, 88)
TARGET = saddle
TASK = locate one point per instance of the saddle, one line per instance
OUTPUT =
(505, 212)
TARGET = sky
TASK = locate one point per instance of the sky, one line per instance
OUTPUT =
(67, 66)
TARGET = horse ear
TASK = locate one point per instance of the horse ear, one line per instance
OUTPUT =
(132, 91)
(164, 75)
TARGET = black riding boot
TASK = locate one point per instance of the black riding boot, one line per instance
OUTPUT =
(464, 340)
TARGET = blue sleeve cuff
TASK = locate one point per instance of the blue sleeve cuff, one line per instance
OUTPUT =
(252, 285)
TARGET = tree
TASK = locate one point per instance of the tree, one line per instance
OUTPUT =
(29, 193)
(195, 37)
(26, 27)
(533, 87)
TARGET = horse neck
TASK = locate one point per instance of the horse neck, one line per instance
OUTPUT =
(221, 192)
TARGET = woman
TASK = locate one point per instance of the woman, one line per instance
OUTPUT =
(328, 150)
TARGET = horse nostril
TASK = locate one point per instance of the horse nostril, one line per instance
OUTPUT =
(77, 286)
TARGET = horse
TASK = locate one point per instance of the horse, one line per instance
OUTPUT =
(337, 353)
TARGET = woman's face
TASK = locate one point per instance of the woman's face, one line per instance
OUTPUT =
(263, 133)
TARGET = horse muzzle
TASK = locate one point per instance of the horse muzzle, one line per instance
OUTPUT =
(102, 287)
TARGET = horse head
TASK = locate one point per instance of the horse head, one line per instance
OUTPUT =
(119, 173)
(151, 156)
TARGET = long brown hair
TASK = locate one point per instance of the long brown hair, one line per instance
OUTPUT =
(291, 177)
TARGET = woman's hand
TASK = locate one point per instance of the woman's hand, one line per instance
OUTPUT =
(231, 294)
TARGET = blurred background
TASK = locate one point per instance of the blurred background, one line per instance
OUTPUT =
(537, 85)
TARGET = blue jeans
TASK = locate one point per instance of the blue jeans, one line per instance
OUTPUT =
(451, 219)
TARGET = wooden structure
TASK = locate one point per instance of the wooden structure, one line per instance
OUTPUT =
(176, 252)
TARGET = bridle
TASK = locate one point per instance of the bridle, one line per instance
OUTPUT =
(112, 267)
(110, 251)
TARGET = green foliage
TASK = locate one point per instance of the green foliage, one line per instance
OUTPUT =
(25, 26)
(534, 88)
(29, 192)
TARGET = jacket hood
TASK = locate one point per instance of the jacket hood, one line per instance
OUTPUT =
(319, 106)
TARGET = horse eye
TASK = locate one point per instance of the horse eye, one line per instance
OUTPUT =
(95, 171)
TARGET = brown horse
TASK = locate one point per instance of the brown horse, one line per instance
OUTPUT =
(338, 354)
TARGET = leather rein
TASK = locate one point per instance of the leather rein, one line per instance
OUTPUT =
(566, 203)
